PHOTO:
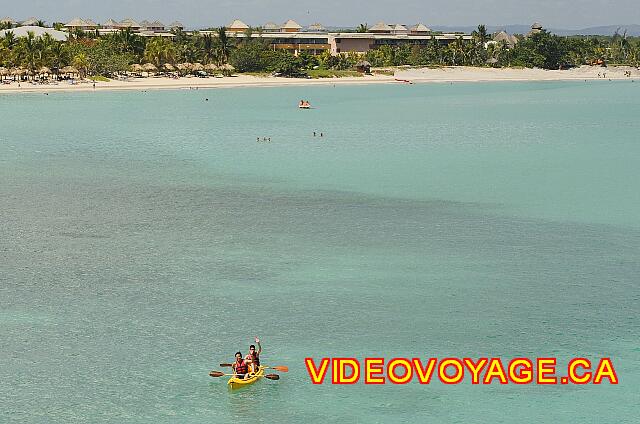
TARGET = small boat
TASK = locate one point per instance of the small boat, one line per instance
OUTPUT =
(236, 383)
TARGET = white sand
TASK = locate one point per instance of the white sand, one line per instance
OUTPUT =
(422, 75)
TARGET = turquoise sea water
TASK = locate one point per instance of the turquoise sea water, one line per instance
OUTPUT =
(145, 237)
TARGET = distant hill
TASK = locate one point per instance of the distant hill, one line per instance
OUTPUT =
(632, 30)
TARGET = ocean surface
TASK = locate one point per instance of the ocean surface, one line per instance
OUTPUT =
(147, 236)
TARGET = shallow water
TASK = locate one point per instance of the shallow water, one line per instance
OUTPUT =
(145, 237)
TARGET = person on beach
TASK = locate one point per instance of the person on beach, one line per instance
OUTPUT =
(253, 358)
(240, 367)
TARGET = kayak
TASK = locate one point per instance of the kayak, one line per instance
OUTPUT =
(236, 383)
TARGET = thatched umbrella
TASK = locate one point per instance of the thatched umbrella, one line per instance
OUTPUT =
(184, 67)
(149, 67)
(197, 67)
(211, 68)
(168, 67)
(136, 68)
(44, 70)
(227, 69)
(3, 72)
(69, 70)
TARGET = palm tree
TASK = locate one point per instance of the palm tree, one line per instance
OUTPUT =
(160, 51)
(9, 40)
(224, 46)
(81, 63)
(363, 27)
(208, 48)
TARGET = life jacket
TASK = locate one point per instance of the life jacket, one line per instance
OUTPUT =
(241, 368)
(255, 359)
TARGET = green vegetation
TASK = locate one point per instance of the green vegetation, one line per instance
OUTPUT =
(110, 55)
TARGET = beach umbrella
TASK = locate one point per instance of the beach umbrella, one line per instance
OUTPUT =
(184, 67)
(197, 67)
(44, 70)
(149, 67)
(227, 69)
(168, 67)
(69, 70)
(136, 67)
(211, 67)
(3, 72)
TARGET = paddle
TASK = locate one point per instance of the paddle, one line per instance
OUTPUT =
(281, 368)
(221, 374)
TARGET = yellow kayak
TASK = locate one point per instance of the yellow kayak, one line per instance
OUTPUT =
(236, 383)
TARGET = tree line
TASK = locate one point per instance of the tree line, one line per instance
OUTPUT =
(111, 54)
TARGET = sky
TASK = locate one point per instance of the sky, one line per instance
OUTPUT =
(204, 13)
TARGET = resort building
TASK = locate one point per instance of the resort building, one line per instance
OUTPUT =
(8, 22)
(316, 28)
(291, 26)
(503, 37)
(362, 42)
(237, 26)
(111, 24)
(30, 22)
(536, 27)
(271, 27)
(78, 24)
(381, 28)
(37, 31)
(176, 26)
(130, 24)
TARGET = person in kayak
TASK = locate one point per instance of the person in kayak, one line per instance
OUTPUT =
(253, 358)
(240, 367)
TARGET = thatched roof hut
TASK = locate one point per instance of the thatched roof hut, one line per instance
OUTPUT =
(136, 67)
(44, 70)
(149, 67)
(168, 67)
(197, 67)
(69, 70)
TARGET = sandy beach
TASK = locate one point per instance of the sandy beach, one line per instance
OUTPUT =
(421, 75)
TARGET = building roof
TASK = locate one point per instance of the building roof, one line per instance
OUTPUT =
(157, 24)
(30, 22)
(128, 22)
(90, 22)
(400, 28)
(144, 23)
(380, 27)
(420, 28)
(8, 20)
(111, 23)
(176, 24)
(271, 26)
(237, 24)
(37, 31)
(316, 27)
(501, 36)
(536, 25)
(77, 22)
(291, 24)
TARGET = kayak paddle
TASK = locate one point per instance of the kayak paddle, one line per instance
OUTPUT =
(281, 368)
(221, 374)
